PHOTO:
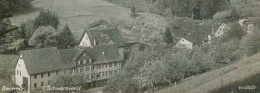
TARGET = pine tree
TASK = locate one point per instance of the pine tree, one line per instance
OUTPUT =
(65, 38)
(168, 37)
(47, 18)
(234, 14)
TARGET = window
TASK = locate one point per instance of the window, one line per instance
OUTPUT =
(110, 64)
(90, 60)
(87, 76)
(106, 73)
(35, 76)
(98, 74)
(84, 61)
(41, 83)
(115, 64)
(87, 68)
(75, 70)
(99, 66)
(110, 72)
(103, 73)
(57, 72)
(42, 75)
(71, 71)
(84, 54)
(78, 62)
(49, 73)
(35, 85)
(81, 69)
(92, 75)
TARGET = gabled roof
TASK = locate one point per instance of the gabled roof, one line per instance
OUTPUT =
(103, 54)
(51, 59)
(111, 34)
(199, 34)
(195, 35)
(42, 60)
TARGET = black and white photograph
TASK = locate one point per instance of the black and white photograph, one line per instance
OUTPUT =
(129, 46)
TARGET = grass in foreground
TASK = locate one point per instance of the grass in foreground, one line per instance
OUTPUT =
(247, 85)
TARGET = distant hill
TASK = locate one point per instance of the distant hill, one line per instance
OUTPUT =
(247, 7)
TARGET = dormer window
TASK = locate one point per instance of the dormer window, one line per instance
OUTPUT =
(78, 62)
(84, 61)
(84, 54)
(90, 60)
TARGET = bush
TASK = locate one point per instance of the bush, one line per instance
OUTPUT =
(46, 18)
(222, 14)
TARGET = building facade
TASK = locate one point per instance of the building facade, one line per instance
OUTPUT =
(38, 68)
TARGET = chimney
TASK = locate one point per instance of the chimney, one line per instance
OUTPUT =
(209, 38)
(95, 42)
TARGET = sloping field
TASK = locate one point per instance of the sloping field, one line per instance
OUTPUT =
(76, 13)
(206, 82)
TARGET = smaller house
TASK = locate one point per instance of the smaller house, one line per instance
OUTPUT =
(221, 30)
(218, 27)
(249, 24)
(184, 43)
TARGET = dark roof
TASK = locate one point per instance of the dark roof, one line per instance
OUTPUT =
(111, 53)
(104, 35)
(42, 60)
(195, 35)
(66, 56)
(98, 23)
(199, 34)
(51, 59)
(128, 44)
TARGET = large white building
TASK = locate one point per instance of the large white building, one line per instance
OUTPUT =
(99, 55)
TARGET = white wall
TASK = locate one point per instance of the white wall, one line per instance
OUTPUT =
(20, 67)
(220, 30)
(184, 43)
(85, 42)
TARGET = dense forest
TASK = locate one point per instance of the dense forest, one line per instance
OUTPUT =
(199, 9)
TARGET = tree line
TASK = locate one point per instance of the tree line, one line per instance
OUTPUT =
(199, 9)
(164, 64)
(43, 31)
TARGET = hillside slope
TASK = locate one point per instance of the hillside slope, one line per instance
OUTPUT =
(76, 13)
(208, 81)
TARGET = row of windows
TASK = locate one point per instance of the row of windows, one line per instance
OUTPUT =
(106, 65)
(105, 73)
(42, 84)
(76, 70)
(42, 74)
(80, 62)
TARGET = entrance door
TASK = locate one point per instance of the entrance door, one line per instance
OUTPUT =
(25, 82)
